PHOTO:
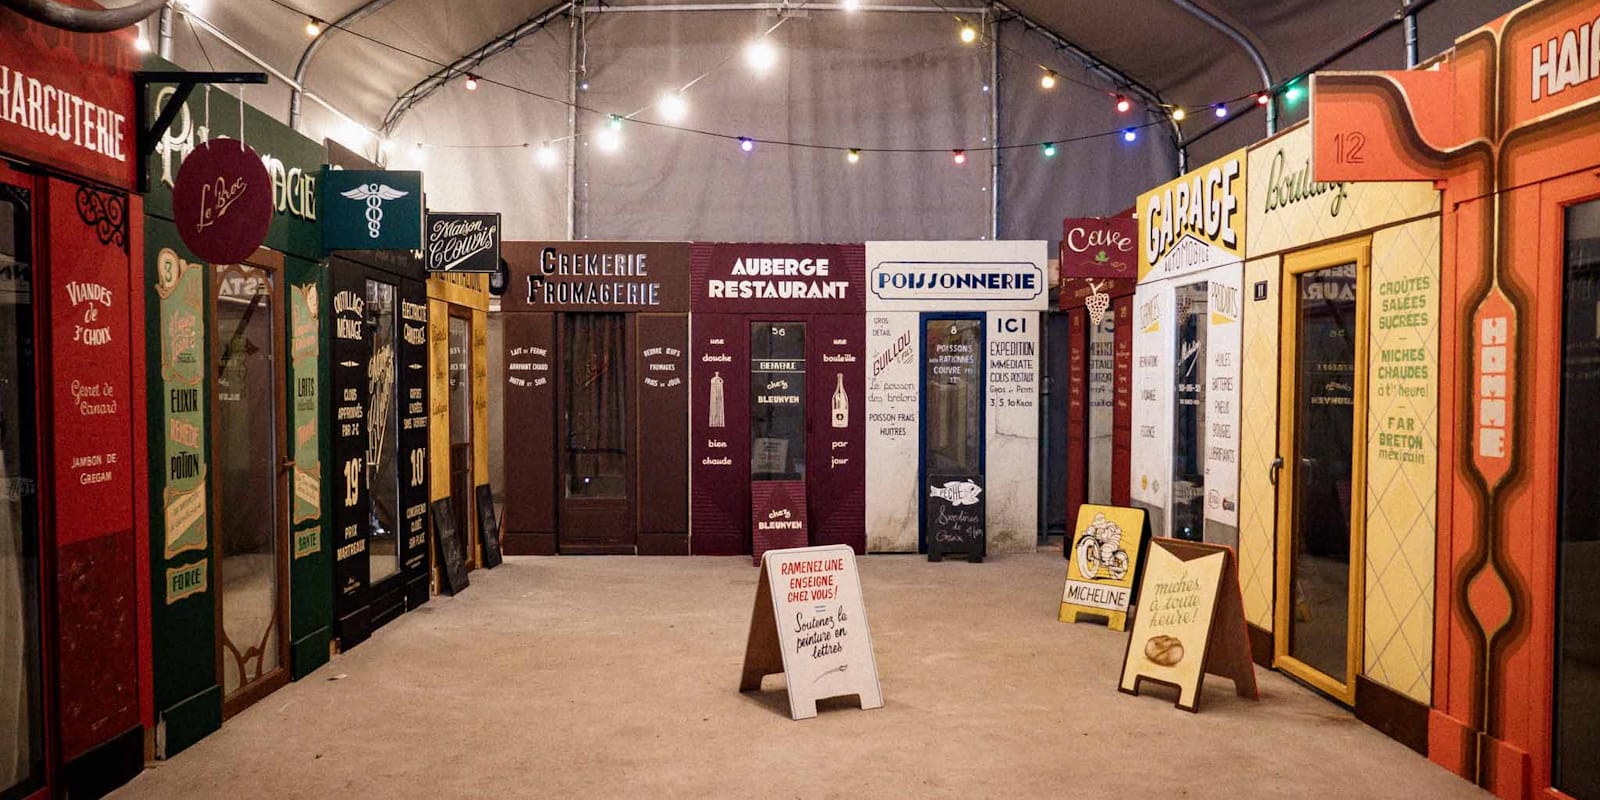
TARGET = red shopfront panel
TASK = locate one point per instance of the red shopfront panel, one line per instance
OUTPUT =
(93, 475)
(1077, 388)
(663, 391)
(836, 441)
(1122, 411)
(720, 444)
(529, 425)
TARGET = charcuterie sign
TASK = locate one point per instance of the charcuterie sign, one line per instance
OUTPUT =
(1102, 564)
(1190, 623)
(810, 623)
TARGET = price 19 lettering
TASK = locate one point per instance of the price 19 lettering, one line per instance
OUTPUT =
(352, 482)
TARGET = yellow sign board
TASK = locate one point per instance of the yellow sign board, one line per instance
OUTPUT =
(1194, 222)
(1102, 564)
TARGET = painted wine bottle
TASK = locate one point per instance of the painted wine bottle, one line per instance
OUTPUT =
(841, 404)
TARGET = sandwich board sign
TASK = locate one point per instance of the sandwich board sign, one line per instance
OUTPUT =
(810, 623)
(1102, 564)
(1190, 623)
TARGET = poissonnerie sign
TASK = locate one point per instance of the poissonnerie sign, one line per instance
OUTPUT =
(928, 280)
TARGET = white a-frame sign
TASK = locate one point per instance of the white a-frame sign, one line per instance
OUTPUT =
(810, 624)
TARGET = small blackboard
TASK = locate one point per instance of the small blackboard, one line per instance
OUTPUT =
(488, 528)
(953, 513)
(452, 551)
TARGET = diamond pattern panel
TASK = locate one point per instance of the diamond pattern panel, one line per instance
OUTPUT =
(1402, 457)
(1258, 442)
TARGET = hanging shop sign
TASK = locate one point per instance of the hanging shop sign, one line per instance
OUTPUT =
(1190, 623)
(810, 623)
(66, 99)
(958, 276)
(463, 242)
(1099, 247)
(1103, 564)
(763, 278)
(1195, 222)
(371, 209)
(597, 276)
(222, 201)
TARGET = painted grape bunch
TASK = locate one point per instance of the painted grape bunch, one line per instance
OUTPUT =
(1097, 303)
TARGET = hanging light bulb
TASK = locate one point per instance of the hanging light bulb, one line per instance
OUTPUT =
(1221, 110)
(1048, 80)
(760, 55)
(547, 155)
(472, 83)
(850, 5)
(1262, 98)
(969, 34)
(615, 122)
(673, 107)
(853, 155)
(140, 43)
(960, 157)
(1123, 105)
(1178, 115)
(1049, 149)
(313, 27)
(746, 144)
(1129, 135)
(610, 140)
(1292, 94)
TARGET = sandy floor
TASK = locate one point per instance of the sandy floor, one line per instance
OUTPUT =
(617, 677)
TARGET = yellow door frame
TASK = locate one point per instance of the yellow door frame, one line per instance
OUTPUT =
(1356, 251)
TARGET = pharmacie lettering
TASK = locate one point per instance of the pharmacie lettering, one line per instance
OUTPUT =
(1285, 188)
(1203, 206)
(1572, 59)
(294, 190)
(34, 105)
(930, 279)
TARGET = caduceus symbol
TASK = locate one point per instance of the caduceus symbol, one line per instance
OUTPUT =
(374, 194)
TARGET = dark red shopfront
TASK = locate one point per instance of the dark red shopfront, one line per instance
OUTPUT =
(72, 448)
(778, 349)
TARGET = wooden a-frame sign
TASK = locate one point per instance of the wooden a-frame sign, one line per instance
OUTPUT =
(810, 623)
(1189, 596)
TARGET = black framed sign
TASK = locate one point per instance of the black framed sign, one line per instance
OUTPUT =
(488, 528)
(463, 242)
(954, 510)
(452, 550)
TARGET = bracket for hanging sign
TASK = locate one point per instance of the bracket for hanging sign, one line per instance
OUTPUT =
(150, 133)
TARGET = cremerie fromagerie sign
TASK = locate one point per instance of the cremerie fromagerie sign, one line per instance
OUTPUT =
(66, 99)
(293, 162)
(463, 242)
(597, 276)
(759, 278)
(371, 209)
(1194, 222)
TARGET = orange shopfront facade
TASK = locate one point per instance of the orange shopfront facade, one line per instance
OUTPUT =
(1508, 125)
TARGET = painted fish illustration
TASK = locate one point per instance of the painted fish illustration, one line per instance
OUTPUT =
(958, 493)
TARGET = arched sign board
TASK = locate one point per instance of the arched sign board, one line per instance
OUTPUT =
(1190, 622)
(810, 623)
(222, 201)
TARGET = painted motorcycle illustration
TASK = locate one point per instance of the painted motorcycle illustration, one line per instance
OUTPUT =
(1101, 548)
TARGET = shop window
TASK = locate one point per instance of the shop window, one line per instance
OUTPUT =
(595, 455)
(21, 694)
(1577, 678)
(777, 401)
(459, 341)
(953, 382)
(1189, 423)
(1102, 389)
(383, 432)
(247, 462)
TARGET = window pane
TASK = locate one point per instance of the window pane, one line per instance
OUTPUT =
(1189, 423)
(595, 461)
(777, 401)
(953, 381)
(1102, 370)
(383, 428)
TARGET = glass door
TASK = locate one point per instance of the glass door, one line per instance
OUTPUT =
(383, 433)
(1189, 410)
(250, 546)
(1321, 443)
(596, 493)
(952, 435)
(1101, 394)
(22, 737)
(777, 401)
(461, 479)
(1577, 657)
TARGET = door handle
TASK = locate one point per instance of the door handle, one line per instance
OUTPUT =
(285, 465)
(1273, 469)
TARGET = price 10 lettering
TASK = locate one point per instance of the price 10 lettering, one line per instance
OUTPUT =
(419, 465)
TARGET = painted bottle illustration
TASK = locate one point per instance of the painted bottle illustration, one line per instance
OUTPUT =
(718, 410)
(841, 404)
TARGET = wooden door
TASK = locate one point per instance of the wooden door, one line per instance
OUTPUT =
(595, 443)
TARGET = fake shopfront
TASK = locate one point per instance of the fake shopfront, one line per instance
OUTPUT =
(1508, 123)
(378, 421)
(237, 375)
(596, 398)
(1339, 447)
(72, 447)
(779, 344)
(1186, 349)
(953, 332)
(458, 410)
(1099, 262)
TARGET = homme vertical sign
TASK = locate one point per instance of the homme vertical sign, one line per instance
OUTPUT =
(463, 242)
(810, 623)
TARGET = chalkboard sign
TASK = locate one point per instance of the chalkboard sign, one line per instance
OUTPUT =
(953, 515)
(452, 551)
(488, 528)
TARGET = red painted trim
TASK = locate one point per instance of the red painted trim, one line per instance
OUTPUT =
(141, 462)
